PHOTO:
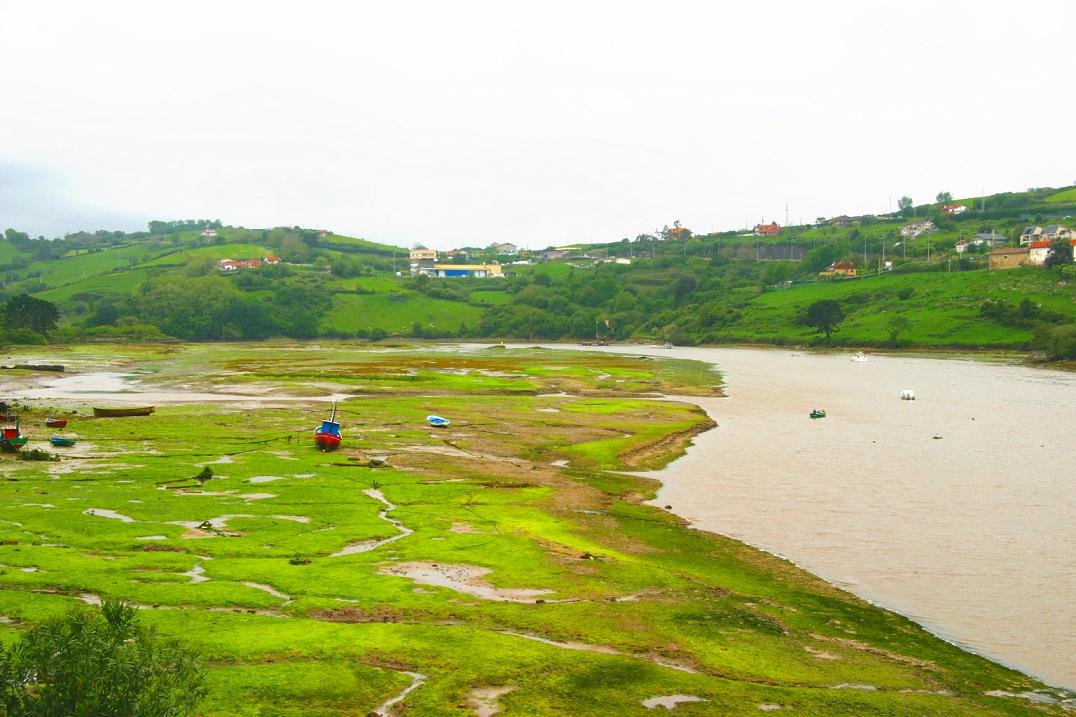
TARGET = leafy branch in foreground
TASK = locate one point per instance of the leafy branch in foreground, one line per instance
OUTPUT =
(100, 663)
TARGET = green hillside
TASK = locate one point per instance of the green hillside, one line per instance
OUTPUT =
(692, 289)
(1065, 196)
(944, 309)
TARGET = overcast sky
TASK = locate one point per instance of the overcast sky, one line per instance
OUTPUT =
(461, 123)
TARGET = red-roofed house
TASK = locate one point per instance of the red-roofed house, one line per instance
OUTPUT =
(272, 260)
(841, 268)
(1039, 250)
(768, 230)
(954, 209)
(228, 265)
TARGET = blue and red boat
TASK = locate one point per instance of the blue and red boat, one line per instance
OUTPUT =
(327, 437)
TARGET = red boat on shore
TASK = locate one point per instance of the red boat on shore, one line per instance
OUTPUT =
(56, 422)
(327, 437)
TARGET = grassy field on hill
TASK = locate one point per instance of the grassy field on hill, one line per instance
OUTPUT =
(397, 312)
(1065, 196)
(943, 309)
(504, 560)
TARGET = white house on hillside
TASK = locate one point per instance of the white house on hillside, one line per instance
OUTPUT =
(919, 228)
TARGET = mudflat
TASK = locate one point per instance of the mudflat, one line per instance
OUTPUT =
(502, 565)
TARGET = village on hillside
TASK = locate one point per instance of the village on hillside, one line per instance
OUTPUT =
(997, 250)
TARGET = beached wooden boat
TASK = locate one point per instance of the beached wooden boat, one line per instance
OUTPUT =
(61, 441)
(437, 421)
(122, 412)
(11, 438)
(818, 413)
(327, 436)
(56, 422)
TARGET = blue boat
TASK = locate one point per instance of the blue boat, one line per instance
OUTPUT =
(60, 441)
(437, 421)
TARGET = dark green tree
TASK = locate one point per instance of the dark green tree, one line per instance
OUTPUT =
(944, 198)
(825, 316)
(897, 325)
(100, 663)
(1060, 253)
(26, 312)
(904, 204)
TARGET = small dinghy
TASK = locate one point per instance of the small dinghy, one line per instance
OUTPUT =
(56, 422)
(859, 357)
(327, 436)
(818, 413)
(907, 395)
(61, 441)
(437, 421)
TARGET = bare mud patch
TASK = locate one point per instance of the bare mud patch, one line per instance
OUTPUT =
(485, 701)
(466, 579)
(670, 702)
(466, 528)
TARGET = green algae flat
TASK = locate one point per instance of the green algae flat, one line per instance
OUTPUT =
(613, 602)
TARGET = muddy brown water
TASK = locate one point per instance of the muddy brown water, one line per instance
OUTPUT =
(972, 535)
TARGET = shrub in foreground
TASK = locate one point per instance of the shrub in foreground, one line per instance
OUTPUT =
(101, 663)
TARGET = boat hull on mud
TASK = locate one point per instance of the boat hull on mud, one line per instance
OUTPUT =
(326, 441)
(122, 412)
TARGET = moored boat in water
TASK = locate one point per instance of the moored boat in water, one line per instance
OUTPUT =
(818, 413)
(859, 357)
(122, 412)
(327, 436)
(907, 395)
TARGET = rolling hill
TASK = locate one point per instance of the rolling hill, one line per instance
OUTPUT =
(723, 287)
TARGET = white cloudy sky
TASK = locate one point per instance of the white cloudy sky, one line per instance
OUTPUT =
(462, 122)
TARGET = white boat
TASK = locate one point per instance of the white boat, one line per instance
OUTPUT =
(859, 357)
(907, 395)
